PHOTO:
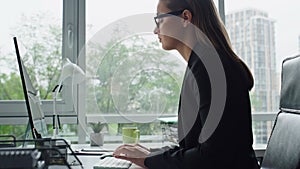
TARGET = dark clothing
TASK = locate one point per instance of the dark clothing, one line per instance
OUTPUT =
(230, 145)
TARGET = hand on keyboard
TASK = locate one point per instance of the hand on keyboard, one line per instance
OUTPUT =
(131, 151)
(112, 163)
(135, 153)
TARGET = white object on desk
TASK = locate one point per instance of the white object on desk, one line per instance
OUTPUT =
(168, 119)
(69, 69)
(112, 163)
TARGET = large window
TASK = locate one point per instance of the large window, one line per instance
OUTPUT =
(43, 29)
(263, 33)
(130, 80)
(38, 27)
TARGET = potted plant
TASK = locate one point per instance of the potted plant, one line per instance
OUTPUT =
(97, 137)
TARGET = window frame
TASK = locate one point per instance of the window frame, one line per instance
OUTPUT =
(73, 39)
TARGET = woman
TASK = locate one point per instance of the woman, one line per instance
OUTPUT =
(214, 130)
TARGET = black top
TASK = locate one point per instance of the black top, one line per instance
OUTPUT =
(230, 145)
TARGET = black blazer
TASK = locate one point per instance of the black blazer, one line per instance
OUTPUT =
(230, 146)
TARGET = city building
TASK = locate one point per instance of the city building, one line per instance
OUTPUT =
(252, 34)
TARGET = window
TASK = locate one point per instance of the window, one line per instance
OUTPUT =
(38, 27)
(93, 34)
(270, 35)
(132, 81)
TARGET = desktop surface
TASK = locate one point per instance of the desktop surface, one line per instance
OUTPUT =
(90, 155)
(89, 161)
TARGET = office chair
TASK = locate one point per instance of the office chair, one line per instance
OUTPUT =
(283, 149)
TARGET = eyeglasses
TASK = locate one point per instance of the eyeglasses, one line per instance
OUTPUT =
(158, 18)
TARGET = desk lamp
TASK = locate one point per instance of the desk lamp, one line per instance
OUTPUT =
(69, 69)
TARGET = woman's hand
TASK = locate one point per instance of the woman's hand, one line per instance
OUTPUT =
(135, 153)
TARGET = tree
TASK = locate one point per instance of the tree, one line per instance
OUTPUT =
(128, 73)
(134, 60)
(256, 103)
(132, 75)
(10, 87)
(42, 39)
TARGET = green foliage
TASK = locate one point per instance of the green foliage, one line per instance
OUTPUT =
(98, 127)
(10, 87)
(134, 61)
(42, 39)
(16, 130)
(256, 103)
(131, 77)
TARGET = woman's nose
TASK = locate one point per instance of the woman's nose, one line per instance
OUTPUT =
(156, 30)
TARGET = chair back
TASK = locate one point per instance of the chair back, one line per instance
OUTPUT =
(283, 149)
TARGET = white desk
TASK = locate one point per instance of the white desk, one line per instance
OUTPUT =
(89, 161)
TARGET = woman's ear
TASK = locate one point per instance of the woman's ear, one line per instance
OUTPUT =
(187, 16)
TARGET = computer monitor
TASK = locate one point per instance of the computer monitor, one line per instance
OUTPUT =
(36, 125)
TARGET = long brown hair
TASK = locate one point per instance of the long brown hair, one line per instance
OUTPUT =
(207, 19)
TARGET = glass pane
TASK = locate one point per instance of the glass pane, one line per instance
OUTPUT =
(38, 28)
(130, 75)
(17, 131)
(263, 33)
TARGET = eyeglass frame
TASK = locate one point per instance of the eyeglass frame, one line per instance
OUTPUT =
(159, 16)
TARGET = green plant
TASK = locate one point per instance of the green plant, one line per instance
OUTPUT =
(97, 127)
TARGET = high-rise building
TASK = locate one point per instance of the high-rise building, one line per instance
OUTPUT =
(252, 35)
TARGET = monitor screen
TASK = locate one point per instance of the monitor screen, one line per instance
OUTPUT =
(32, 98)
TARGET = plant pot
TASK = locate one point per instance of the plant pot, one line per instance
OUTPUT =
(96, 139)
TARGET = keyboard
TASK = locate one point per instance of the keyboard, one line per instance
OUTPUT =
(112, 163)
(11, 158)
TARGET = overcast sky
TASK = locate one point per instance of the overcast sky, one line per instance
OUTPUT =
(100, 13)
